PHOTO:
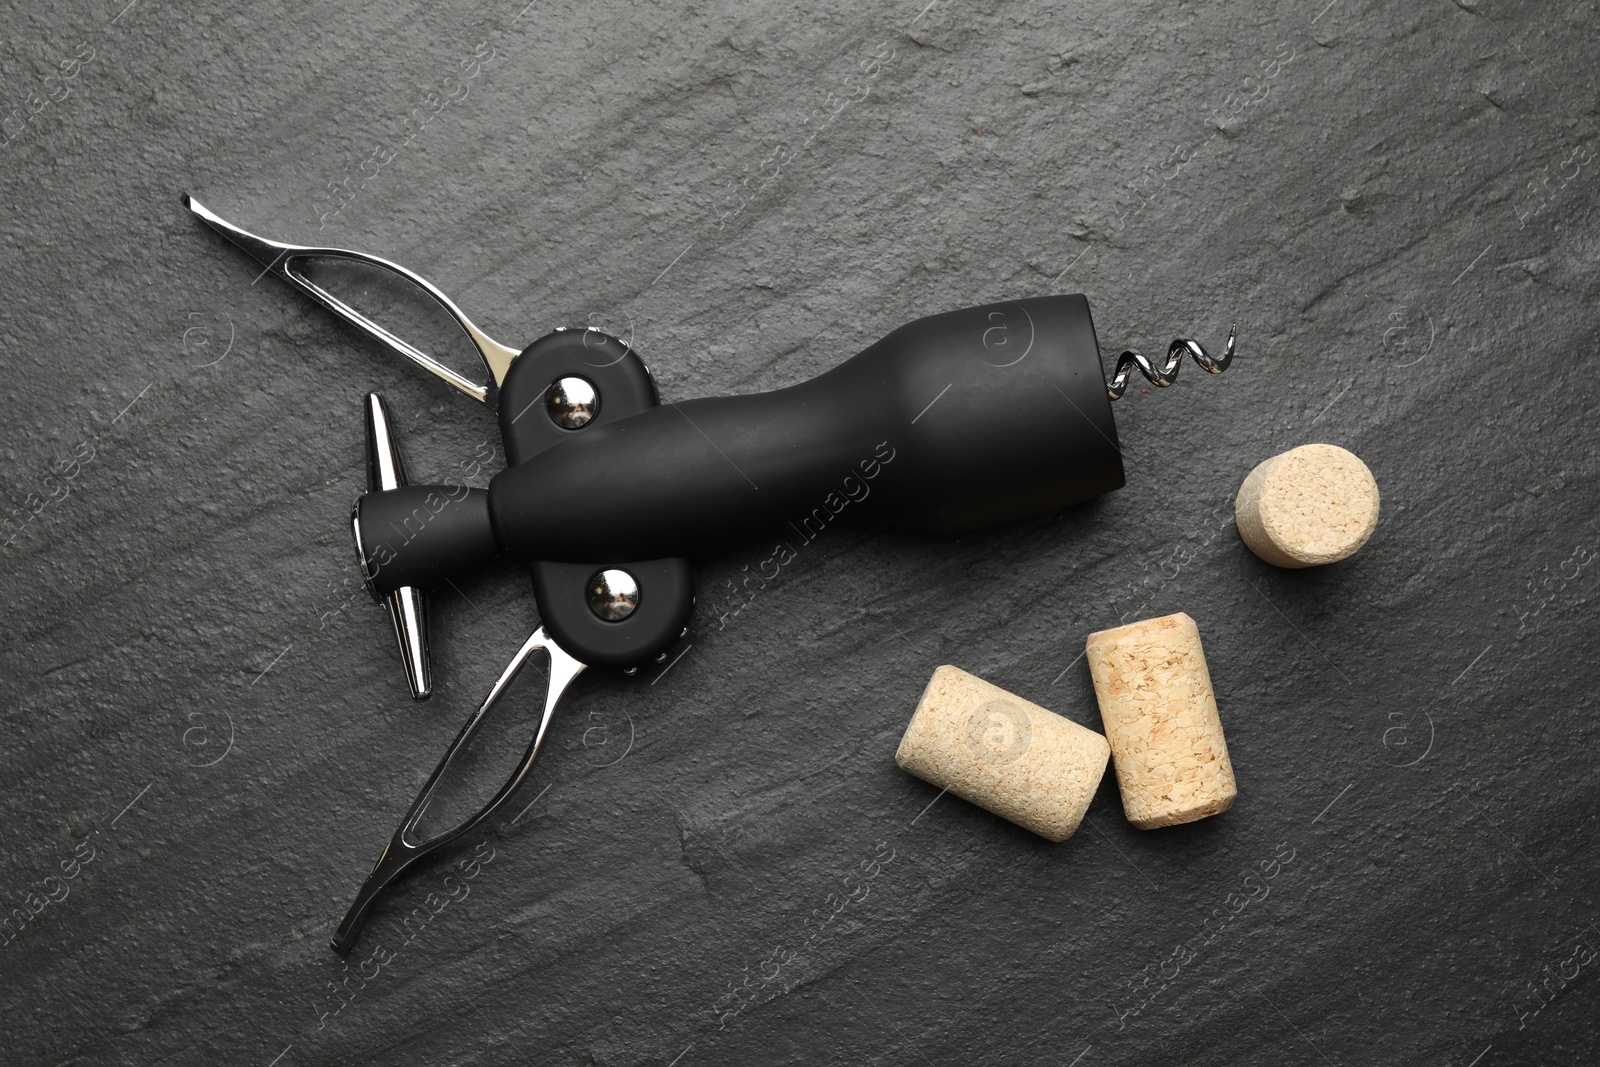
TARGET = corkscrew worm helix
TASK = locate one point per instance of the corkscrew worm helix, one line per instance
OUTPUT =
(1165, 375)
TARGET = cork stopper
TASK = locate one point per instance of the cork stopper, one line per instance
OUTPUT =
(1311, 505)
(1004, 754)
(1161, 720)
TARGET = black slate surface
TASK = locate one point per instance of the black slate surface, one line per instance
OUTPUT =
(208, 739)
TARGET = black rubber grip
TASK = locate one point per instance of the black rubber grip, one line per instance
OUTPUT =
(950, 423)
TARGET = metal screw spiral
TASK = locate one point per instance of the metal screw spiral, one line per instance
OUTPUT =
(1165, 375)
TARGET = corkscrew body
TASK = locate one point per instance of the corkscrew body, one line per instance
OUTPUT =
(950, 423)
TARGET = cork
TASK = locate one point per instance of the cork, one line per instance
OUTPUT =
(1311, 505)
(1161, 720)
(1004, 754)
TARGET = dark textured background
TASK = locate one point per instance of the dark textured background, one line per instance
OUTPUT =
(197, 693)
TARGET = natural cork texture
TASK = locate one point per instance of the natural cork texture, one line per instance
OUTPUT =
(1004, 754)
(1161, 719)
(1311, 505)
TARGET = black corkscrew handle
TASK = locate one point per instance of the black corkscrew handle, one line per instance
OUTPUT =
(950, 423)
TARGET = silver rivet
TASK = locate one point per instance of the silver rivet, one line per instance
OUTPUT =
(573, 402)
(630, 671)
(661, 658)
(613, 595)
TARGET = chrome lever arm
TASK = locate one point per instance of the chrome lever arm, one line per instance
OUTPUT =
(279, 259)
(403, 850)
